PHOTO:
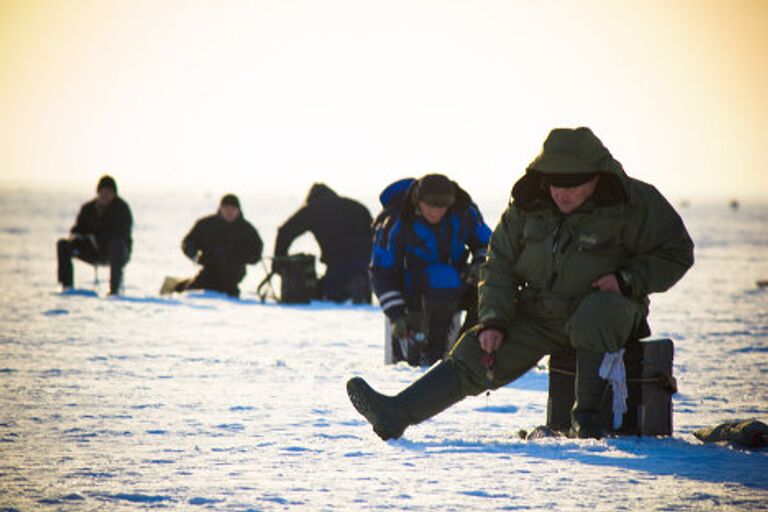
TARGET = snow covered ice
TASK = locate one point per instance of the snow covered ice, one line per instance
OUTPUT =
(197, 401)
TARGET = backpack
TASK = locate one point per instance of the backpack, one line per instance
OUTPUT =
(392, 199)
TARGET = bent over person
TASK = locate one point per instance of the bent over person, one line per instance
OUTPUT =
(223, 244)
(570, 264)
(342, 228)
(101, 236)
(421, 271)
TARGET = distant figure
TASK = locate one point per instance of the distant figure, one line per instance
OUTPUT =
(570, 266)
(421, 270)
(342, 228)
(101, 236)
(223, 244)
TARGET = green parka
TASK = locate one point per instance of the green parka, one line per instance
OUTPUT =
(543, 263)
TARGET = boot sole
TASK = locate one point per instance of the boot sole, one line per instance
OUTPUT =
(358, 391)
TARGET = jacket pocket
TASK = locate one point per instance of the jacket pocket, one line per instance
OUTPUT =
(595, 252)
(442, 276)
(535, 259)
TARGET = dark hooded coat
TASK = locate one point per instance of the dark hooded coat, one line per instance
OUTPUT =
(544, 262)
(341, 226)
(223, 249)
(114, 221)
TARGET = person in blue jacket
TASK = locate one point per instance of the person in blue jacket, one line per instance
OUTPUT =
(421, 269)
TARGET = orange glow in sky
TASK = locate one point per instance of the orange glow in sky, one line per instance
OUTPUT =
(246, 95)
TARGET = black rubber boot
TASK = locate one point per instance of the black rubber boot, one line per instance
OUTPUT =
(586, 421)
(117, 258)
(434, 392)
(64, 252)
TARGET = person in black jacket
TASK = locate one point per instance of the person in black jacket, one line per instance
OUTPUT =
(223, 244)
(342, 228)
(101, 236)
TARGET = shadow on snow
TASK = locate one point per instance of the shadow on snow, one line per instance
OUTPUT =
(660, 457)
(314, 305)
(194, 296)
(83, 292)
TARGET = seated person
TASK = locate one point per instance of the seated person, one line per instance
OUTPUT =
(570, 266)
(342, 228)
(223, 244)
(101, 236)
(420, 269)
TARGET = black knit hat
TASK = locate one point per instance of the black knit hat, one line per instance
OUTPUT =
(436, 190)
(107, 181)
(230, 200)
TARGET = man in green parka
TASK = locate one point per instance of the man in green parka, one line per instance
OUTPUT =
(570, 264)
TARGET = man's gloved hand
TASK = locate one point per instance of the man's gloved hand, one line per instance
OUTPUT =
(408, 326)
(400, 327)
(190, 250)
(224, 255)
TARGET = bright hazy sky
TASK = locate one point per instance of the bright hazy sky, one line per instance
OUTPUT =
(273, 95)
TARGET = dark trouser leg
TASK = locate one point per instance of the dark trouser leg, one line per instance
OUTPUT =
(231, 279)
(527, 341)
(434, 392)
(461, 374)
(65, 270)
(603, 322)
(347, 281)
(590, 392)
(117, 256)
(185, 284)
(331, 285)
(222, 279)
(77, 248)
(359, 288)
(439, 319)
(199, 282)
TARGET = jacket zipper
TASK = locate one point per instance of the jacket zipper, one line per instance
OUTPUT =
(555, 247)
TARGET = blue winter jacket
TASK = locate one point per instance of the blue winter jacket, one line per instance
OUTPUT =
(412, 258)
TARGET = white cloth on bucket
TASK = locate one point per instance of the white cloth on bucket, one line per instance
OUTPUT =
(612, 369)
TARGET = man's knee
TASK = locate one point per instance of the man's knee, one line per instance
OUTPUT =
(467, 356)
(603, 322)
